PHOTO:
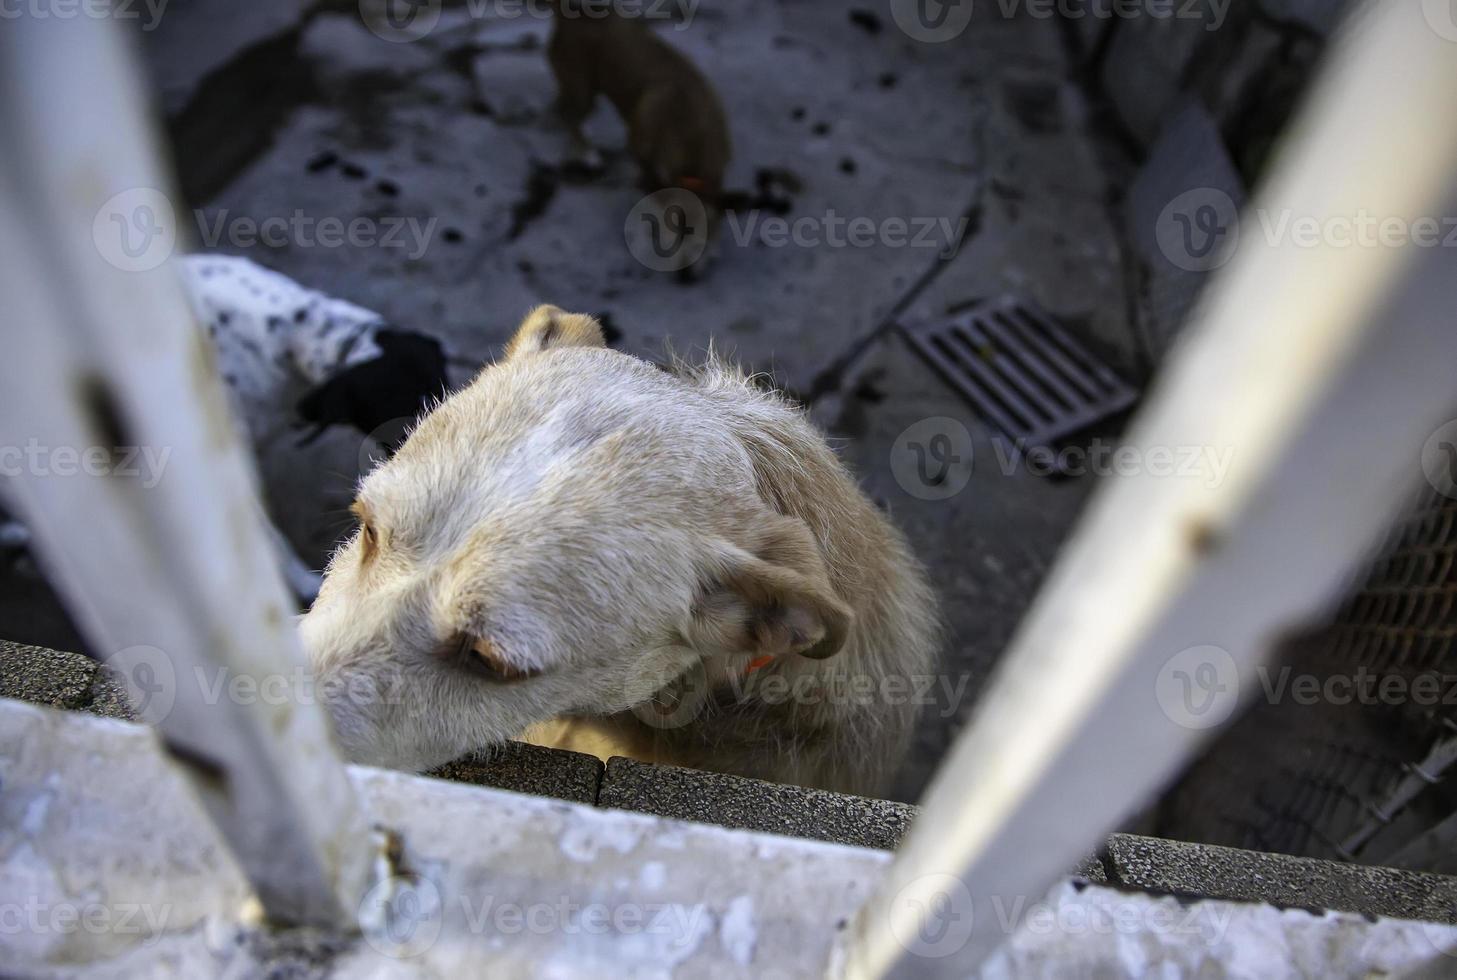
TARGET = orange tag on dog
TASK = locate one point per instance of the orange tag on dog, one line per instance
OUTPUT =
(694, 184)
(758, 663)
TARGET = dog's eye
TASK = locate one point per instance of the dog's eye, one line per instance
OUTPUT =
(368, 540)
(480, 656)
(368, 536)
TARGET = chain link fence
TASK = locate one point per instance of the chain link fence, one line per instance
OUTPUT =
(1354, 726)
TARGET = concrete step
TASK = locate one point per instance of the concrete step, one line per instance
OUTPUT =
(1186, 870)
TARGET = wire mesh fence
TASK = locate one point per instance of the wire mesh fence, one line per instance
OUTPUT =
(1344, 750)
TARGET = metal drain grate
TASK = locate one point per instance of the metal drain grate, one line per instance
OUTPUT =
(1023, 372)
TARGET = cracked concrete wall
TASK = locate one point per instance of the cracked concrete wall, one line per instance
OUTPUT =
(98, 824)
(74, 682)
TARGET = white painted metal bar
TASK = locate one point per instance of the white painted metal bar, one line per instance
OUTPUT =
(122, 458)
(1323, 369)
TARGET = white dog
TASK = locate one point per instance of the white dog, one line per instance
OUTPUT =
(676, 558)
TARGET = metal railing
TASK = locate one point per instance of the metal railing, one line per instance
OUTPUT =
(176, 578)
(1325, 369)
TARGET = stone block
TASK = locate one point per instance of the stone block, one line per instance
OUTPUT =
(524, 768)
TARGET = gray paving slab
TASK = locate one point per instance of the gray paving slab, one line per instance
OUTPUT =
(1278, 879)
(42, 676)
(108, 696)
(61, 679)
(752, 804)
(524, 768)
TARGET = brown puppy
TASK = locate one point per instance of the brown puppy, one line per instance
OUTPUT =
(677, 130)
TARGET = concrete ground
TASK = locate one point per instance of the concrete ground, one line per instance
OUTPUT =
(454, 130)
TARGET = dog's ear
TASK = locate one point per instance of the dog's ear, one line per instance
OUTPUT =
(547, 327)
(771, 598)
